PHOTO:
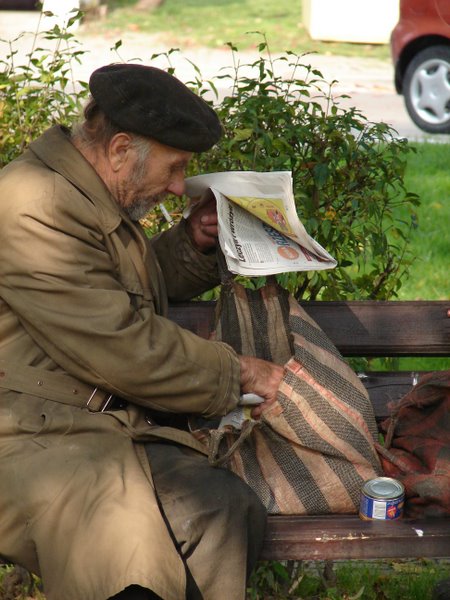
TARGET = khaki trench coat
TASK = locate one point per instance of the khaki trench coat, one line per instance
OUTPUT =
(83, 299)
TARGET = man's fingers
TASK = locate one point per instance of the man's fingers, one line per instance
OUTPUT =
(210, 231)
(260, 377)
(208, 220)
(203, 231)
(258, 410)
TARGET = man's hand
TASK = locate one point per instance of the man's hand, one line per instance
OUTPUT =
(201, 225)
(260, 377)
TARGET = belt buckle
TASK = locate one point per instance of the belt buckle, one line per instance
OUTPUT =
(104, 405)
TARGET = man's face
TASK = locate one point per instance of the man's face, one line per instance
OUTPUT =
(147, 178)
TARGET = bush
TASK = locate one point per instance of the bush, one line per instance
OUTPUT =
(347, 172)
(39, 93)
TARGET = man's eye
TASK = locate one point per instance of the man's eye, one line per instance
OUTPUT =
(179, 169)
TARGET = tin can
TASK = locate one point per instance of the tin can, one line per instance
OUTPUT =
(382, 498)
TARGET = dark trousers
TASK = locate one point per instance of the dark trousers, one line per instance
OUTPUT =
(216, 521)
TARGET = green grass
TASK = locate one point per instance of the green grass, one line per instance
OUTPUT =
(412, 580)
(213, 23)
(365, 580)
(428, 175)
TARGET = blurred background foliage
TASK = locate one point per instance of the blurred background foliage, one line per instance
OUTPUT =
(348, 173)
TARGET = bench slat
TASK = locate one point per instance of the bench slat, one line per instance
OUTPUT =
(349, 537)
(372, 328)
(364, 328)
(386, 387)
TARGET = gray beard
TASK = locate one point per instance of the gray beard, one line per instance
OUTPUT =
(140, 208)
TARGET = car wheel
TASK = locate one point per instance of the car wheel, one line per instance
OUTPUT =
(426, 89)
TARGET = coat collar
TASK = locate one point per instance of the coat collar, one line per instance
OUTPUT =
(55, 149)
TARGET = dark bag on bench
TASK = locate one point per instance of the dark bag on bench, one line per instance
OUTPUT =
(313, 449)
(417, 446)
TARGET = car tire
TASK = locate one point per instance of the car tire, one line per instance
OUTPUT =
(426, 89)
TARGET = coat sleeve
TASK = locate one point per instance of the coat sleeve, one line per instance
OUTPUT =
(59, 277)
(188, 272)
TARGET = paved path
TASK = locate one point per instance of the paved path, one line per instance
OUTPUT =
(369, 82)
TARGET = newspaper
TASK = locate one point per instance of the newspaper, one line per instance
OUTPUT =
(259, 229)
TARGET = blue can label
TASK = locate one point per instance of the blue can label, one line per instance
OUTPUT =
(372, 508)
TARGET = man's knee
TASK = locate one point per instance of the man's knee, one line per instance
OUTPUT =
(236, 512)
(242, 501)
(197, 498)
(228, 500)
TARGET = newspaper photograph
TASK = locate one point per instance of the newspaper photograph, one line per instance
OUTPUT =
(260, 232)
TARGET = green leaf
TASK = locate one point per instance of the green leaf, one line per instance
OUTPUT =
(242, 134)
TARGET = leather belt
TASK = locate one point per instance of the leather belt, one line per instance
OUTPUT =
(57, 387)
(69, 390)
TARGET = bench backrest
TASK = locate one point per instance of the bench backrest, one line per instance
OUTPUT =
(364, 329)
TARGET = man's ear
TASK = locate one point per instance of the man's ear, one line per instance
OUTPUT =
(119, 151)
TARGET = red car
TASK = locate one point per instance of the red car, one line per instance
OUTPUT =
(420, 46)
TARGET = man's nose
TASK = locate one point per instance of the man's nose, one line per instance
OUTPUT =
(177, 186)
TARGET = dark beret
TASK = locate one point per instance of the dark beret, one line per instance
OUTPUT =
(153, 103)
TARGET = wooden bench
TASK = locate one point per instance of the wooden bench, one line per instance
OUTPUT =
(359, 329)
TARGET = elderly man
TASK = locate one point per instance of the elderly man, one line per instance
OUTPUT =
(96, 496)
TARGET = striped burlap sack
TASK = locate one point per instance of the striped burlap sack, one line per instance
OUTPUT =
(313, 449)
